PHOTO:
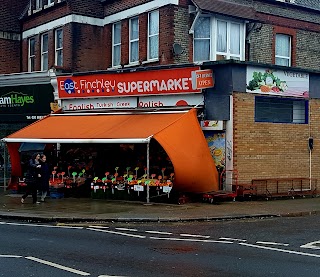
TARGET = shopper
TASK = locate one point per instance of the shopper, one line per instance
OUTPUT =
(45, 176)
(32, 178)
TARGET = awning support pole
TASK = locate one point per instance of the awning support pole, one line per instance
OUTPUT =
(148, 165)
(4, 167)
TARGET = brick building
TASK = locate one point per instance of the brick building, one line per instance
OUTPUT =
(234, 38)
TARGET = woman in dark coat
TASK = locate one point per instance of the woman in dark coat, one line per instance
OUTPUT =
(45, 176)
(32, 178)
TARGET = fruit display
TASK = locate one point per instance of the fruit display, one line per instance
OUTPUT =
(266, 82)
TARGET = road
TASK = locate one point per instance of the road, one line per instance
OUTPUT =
(260, 247)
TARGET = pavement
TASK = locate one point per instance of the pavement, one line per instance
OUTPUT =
(68, 210)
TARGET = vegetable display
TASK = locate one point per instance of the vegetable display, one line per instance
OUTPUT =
(266, 82)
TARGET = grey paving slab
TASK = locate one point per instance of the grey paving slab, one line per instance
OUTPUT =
(86, 209)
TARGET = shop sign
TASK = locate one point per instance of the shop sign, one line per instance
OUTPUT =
(212, 125)
(277, 82)
(138, 188)
(24, 103)
(166, 189)
(99, 103)
(202, 79)
(170, 101)
(151, 82)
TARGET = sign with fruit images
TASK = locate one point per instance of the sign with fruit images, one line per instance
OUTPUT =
(277, 82)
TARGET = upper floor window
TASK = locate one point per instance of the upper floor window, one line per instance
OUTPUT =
(59, 47)
(283, 50)
(134, 40)
(218, 39)
(38, 4)
(31, 54)
(153, 35)
(44, 52)
(116, 44)
(202, 39)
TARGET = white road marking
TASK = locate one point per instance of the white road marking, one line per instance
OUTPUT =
(193, 240)
(280, 250)
(58, 266)
(100, 227)
(157, 232)
(10, 256)
(109, 276)
(117, 233)
(312, 245)
(272, 243)
(41, 225)
(127, 229)
(231, 239)
(194, 236)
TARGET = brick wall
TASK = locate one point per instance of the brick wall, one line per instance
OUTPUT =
(315, 133)
(84, 49)
(118, 6)
(308, 48)
(166, 35)
(260, 47)
(45, 16)
(10, 12)
(270, 150)
(181, 32)
(9, 56)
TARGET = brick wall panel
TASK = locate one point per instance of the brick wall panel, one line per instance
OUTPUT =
(10, 60)
(267, 150)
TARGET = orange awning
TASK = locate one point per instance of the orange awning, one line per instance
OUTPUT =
(178, 133)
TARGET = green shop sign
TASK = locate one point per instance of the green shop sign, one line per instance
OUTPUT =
(25, 103)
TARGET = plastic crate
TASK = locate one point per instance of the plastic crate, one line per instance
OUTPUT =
(56, 195)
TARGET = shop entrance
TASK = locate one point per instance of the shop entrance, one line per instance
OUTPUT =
(114, 171)
(178, 133)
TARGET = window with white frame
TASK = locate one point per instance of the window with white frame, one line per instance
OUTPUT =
(44, 52)
(38, 4)
(116, 44)
(153, 35)
(31, 54)
(134, 40)
(202, 40)
(283, 50)
(59, 47)
(218, 39)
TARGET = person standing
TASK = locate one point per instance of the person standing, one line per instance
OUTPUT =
(32, 179)
(45, 176)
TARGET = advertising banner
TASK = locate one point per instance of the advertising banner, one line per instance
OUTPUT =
(25, 103)
(152, 82)
(170, 100)
(277, 82)
(99, 103)
(202, 79)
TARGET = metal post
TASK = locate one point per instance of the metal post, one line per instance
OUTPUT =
(310, 169)
(148, 165)
(4, 167)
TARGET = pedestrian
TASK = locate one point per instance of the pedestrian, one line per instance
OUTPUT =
(32, 178)
(45, 176)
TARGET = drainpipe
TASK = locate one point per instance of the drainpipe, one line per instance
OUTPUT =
(310, 142)
(198, 13)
